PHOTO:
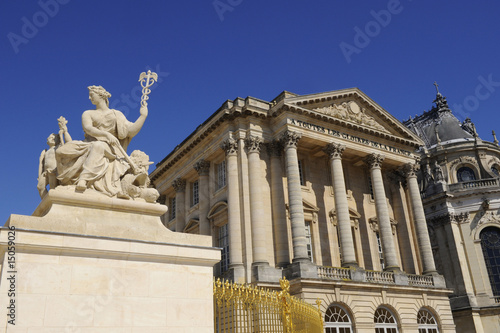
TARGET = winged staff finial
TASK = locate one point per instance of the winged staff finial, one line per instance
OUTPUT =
(147, 80)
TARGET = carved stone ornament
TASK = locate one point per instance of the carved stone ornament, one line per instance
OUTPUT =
(353, 216)
(374, 224)
(374, 160)
(290, 139)
(449, 218)
(489, 217)
(411, 169)
(274, 148)
(253, 144)
(202, 167)
(230, 146)
(179, 185)
(334, 150)
(350, 111)
(464, 159)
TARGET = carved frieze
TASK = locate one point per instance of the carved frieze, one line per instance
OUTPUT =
(449, 218)
(350, 111)
(463, 159)
(489, 217)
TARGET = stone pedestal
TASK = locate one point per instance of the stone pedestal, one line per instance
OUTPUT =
(88, 263)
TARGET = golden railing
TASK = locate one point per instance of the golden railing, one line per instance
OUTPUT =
(245, 308)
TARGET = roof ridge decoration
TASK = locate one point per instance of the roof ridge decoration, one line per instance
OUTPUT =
(352, 112)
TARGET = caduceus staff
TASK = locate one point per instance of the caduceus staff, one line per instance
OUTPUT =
(146, 80)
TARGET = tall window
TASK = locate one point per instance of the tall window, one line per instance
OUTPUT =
(195, 193)
(172, 208)
(221, 175)
(223, 242)
(301, 173)
(309, 241)
(426, 322)
(385, 321)
(337, 320)
(370, 185)
(380, 250)
(490, 243)
(465, 174)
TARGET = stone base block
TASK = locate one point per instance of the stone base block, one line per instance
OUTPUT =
(301, 269)
(56, 280)
(266, 273)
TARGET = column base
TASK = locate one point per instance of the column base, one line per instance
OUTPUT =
(353, 265)
(301, 269)
(262, 272)
(235, 273)
(393, 269)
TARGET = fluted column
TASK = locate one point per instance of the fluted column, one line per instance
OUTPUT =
(275, 150)
(179, 185)
(423, 239)
(296, 207)
(384, 222)
(202, 167)
(230, 147)
(341, 206)
(257, 216)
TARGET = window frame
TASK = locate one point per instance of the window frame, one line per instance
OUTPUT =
(195, 193)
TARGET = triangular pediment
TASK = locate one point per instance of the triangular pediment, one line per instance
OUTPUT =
(353, 109)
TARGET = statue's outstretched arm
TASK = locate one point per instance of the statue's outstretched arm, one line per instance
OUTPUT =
(136, 127)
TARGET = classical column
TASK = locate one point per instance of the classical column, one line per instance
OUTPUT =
(296, 207)
(202, 167)
(341, 206)
(275, 150)
(423, 239)
(179, 185)
(230, 147)
(384, 222)
(257, 216)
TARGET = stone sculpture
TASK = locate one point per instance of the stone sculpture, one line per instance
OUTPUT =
(438, 173)
(100, 161)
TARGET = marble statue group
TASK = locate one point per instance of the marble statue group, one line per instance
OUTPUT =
(100, 162)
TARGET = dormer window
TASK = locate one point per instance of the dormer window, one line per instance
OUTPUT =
(465, 174)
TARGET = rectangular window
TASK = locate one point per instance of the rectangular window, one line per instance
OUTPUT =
(195, 193)
(309, 241)
(172, 208)
(370, 186)
(221, 175)
(223, 242)
(301, 173)
(380, 252)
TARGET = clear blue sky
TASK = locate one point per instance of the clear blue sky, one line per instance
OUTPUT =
(49, 55)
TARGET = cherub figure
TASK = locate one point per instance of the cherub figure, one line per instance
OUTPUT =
(47, 167)
(137, 185)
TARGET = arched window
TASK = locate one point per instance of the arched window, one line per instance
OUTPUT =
(465, 174)
(337, 320)
(494, 169)
(385, 322)
(426, 322)
(490, 243)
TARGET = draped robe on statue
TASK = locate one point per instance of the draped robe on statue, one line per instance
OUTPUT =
(95, 161)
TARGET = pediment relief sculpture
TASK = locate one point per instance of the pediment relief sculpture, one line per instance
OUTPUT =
(489, 217)
(100, 163)
(352, 112)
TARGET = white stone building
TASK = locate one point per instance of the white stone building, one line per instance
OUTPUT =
(461, 195)
(321, 189)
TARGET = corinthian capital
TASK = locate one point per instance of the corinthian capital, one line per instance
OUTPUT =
(202, 167)
(290, 139)
(230, 146)
(274, 148)
(253, 144)
(179, 185)
(334, 150)
(374, 160)
(410, 170)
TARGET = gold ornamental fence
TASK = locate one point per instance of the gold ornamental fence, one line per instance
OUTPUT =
(248, 309)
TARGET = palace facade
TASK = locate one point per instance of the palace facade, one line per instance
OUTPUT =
(460, 188)
(321, 189)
